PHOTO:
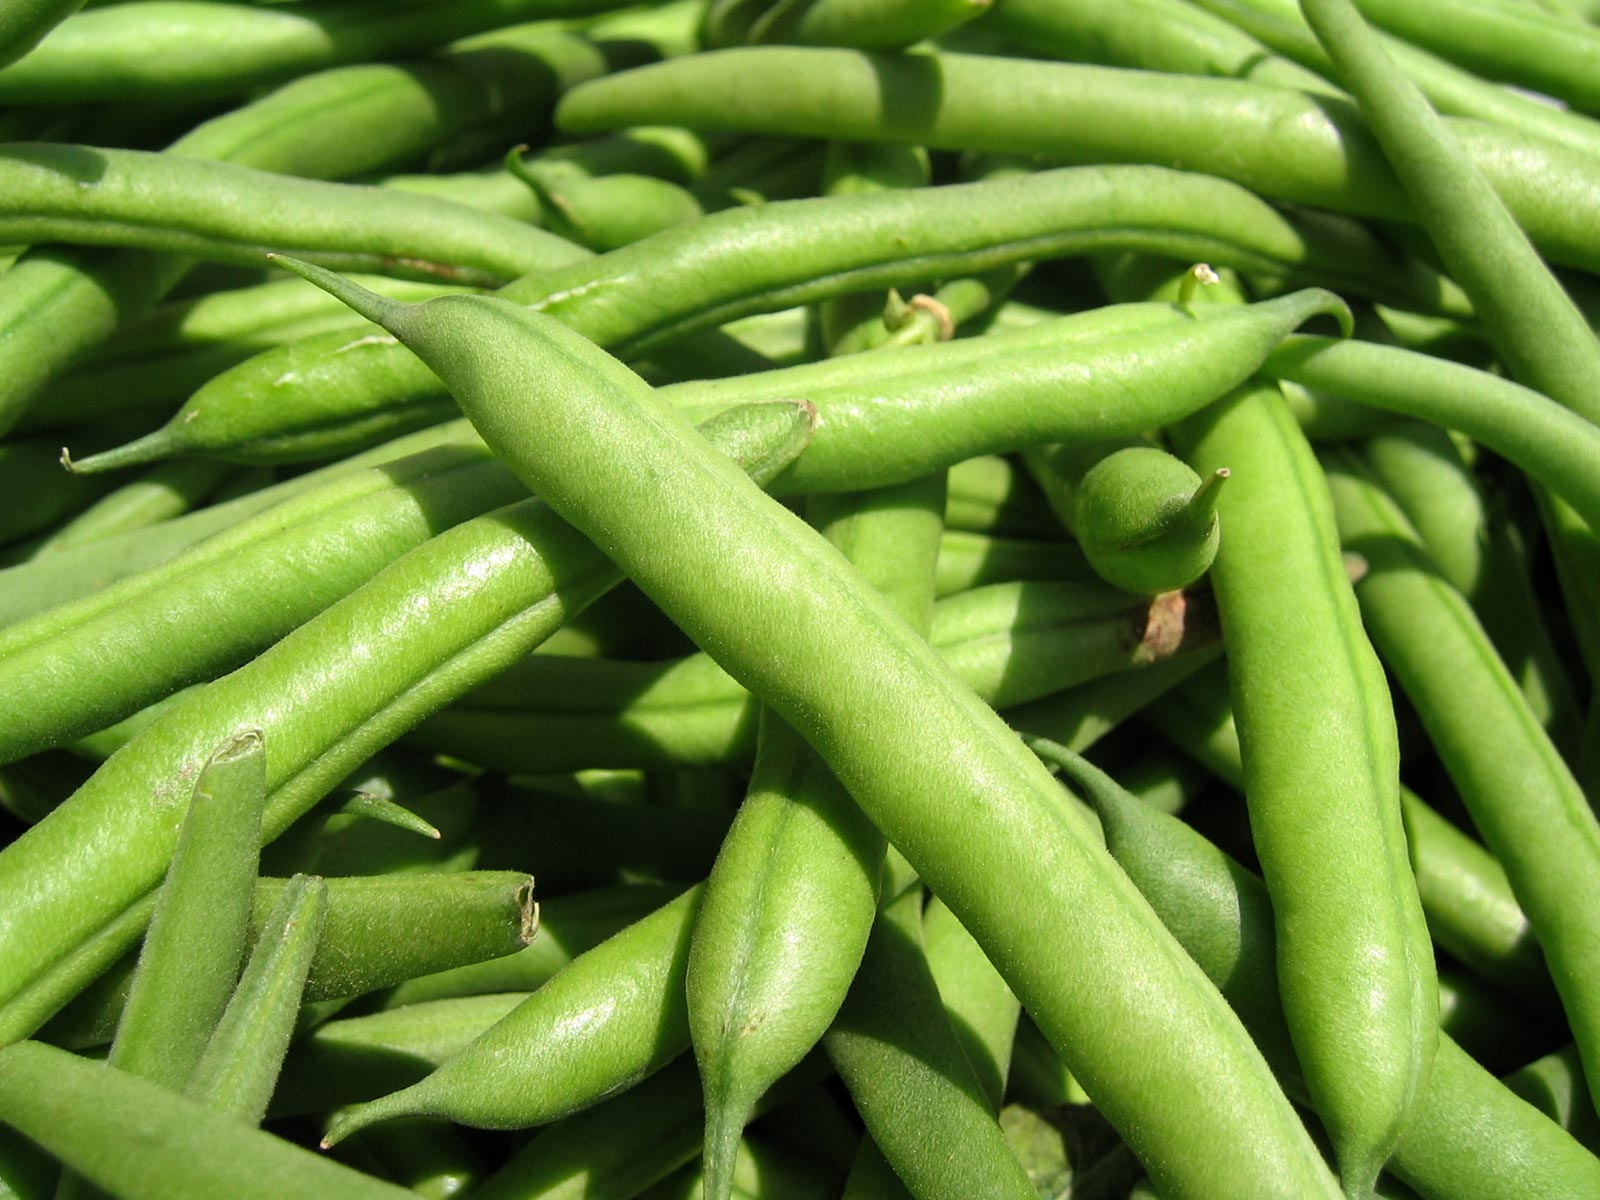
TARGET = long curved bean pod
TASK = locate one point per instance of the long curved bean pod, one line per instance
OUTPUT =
(737, 561)
(615, 1015)
(1281, 143)
(1011, 644)
(1557, 447)
(94, 196)
(525, 570)
(28, 21)
(1321, 762)
(199, 50)
(56, 302)
(772, 256)
(88, 1116)
(1471, 1136)
(1524, 800)
(767, 970)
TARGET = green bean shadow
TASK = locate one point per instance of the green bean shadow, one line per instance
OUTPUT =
(910, 94)
(319, 1076)
(82, 165)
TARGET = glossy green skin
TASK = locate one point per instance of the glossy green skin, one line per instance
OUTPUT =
(231, 213)
(1133, 517)
(190, 959)
(1276, 141)
(613, 1016)
(1321, 765)
(28, 21)
(88, 1116)
(1558, 448)
(269, 575)
(952, 788)
(772, 256)
(1530, 810)
(908, 1075)
(239, 1068)
(1470, 1136)
(791, 899)
(328, 698)
(1010, 643)
(194, 50)
(57, 302)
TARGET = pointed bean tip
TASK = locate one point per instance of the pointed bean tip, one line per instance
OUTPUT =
(149, 448)
(374, 307)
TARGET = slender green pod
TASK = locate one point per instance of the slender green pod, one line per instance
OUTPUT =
(716, 555)
(791, 899)
(87, 1116)
(865, 24)
(239, 1068)
(1321, 764)
(773, 256)
(613, 1016)
(230, 213)
(1279, 142)
(1470, 1137)
(190, 961)
(429, 1158)
(525, 571)
(1555, 1086)
(358, 1058)
(603, 212)
(269, 575)
(1011, 643)
(205, 51)
(990, 495)
(974, 560)
(908, 1075)
(980, 1007)
(1146, 522)
(27, 22)
(1530, 810)
(161, 493)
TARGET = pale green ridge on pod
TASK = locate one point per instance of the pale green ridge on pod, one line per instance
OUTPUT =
(1164, 1057)
(1145, 521)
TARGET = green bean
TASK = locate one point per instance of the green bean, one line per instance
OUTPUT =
(907, 1072)
(692, 512)
(767, 973)
(874, 25)
(57, 302)
(775, 255)
(1146, 522)
(1523, 799)
(1011, 644)
(980, 1007)
(190, 960)
(26, 1172)
(1283, 144)
(239, 1068)
(229, 213)
(428, 1158)
(568, 926)
(269, 575)
(613, 1016)
(603, 212)
(161, 493)
(1555, 1086)
(1321, 764)
(987, 494)
(88, 1116)
(357, 1058)
(1470, 1135)
(194, 50)
(512, 562)
(34, 493)
(974, 560)
(1558, 448)
(28, 22)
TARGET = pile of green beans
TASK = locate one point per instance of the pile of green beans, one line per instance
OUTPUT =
(792, 599)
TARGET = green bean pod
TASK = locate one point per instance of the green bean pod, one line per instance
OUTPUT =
(713, 553)
(866, 24)
(613, 1016)
(908, 1074)
(1012, 644)
(1321, 763)
(1470, 1137)
(982, 1011)
(1146, 522)
(1522, 797)
(34, 493)
(88, 1116)
(1281, 143)
(791, 899)
(525, 570)
(163, 492)
(204, 51)
(26, 23)
(776, 255)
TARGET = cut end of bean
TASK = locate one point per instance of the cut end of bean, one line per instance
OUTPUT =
(529, 908)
